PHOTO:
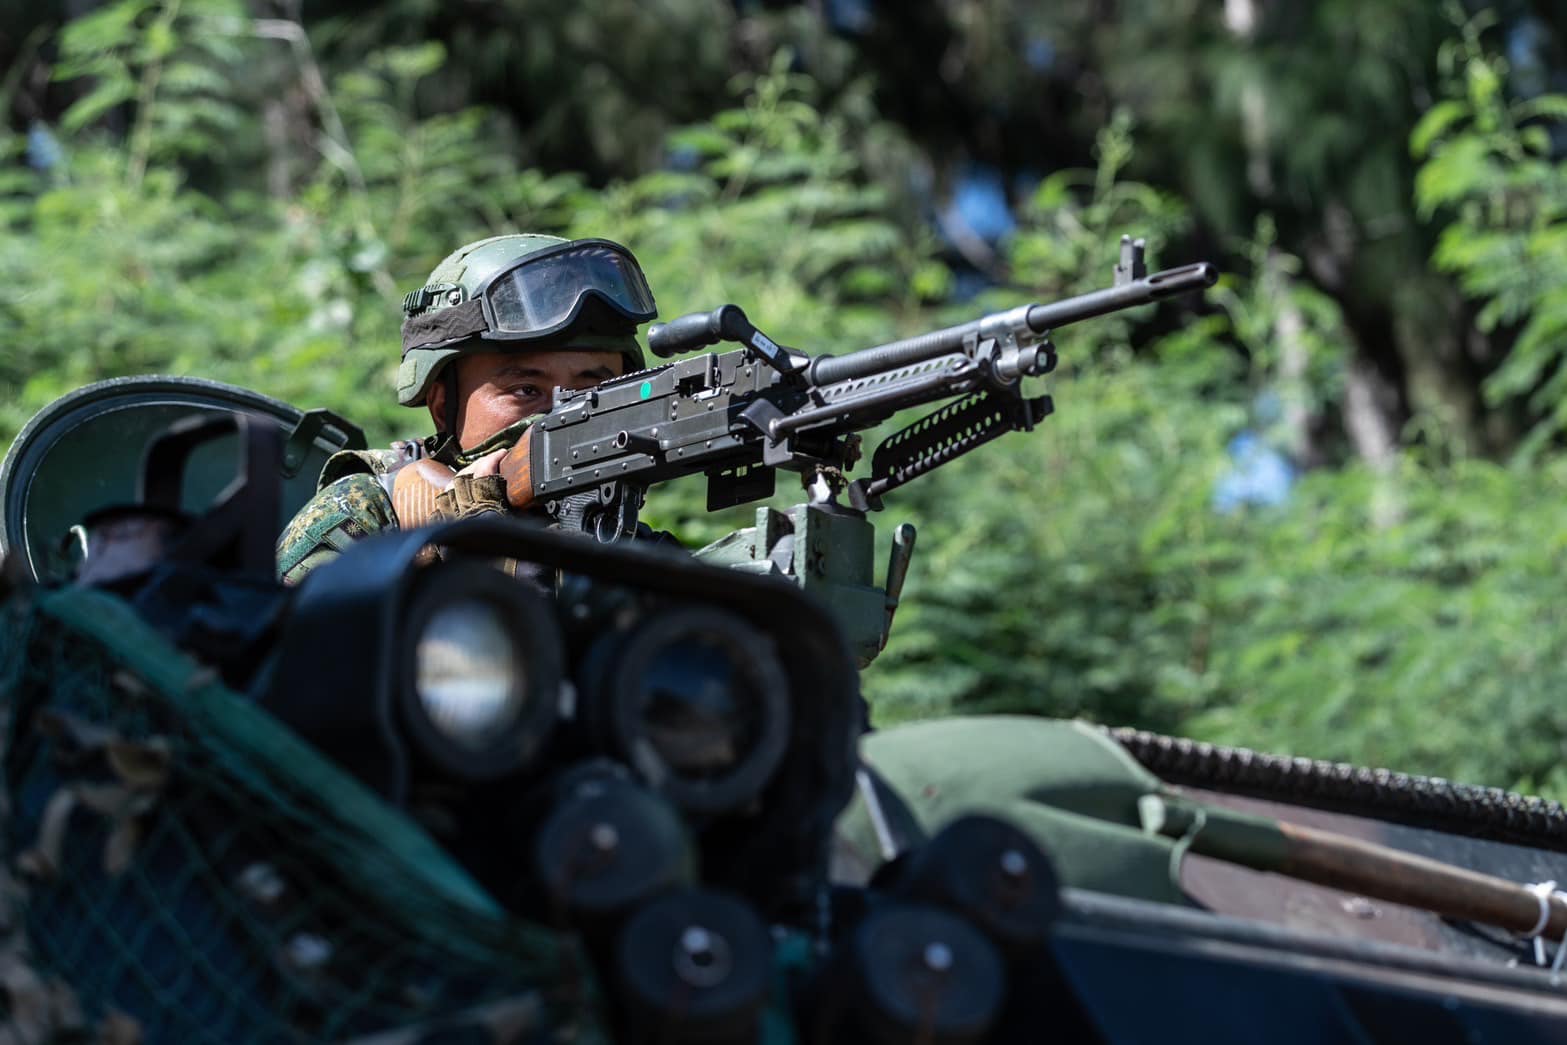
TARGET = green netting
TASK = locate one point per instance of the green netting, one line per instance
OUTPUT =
(189, 863)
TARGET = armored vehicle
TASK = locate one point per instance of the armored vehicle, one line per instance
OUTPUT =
(629, 794)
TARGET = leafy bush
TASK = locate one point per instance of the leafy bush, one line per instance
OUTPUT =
(1493, 163)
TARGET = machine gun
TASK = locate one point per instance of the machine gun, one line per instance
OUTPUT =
(741, 415)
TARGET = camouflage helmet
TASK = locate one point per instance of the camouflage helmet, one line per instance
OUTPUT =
(523, 293)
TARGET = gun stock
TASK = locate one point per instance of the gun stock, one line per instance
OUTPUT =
(517, 470)
(414, 490)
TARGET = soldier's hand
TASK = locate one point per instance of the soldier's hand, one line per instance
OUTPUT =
(472, 494)
(489, 464)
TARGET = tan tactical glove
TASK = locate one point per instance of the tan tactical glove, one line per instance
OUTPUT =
(471, 495)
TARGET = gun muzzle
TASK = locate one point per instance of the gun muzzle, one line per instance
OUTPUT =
(1170, 282)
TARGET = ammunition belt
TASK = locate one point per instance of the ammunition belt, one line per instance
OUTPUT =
(1428, 802)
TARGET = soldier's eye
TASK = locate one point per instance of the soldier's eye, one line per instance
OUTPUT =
(527, 391)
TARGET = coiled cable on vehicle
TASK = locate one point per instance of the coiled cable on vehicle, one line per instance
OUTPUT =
(1429, 802)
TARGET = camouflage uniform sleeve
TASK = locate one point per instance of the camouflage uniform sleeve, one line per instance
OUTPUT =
(344, 511)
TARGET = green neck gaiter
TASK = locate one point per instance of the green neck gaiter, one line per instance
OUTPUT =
(444, 448)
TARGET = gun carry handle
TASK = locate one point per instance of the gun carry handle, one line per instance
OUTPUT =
(691, 331)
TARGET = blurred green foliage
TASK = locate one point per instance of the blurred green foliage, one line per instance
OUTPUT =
(1401, 612)
(1493, 168)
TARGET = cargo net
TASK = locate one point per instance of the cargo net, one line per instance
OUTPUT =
(181, 868)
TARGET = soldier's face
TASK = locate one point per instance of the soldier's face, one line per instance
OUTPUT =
(496, 389)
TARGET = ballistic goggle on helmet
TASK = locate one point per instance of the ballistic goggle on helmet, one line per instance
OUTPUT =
(523, 292)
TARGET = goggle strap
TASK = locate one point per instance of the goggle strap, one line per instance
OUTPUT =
(444, 325)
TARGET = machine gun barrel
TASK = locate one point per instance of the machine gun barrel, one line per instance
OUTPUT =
(827, 370)
(1159, 285)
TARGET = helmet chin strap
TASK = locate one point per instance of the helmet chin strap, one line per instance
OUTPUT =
(443, 445)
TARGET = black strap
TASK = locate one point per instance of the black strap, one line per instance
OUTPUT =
(443, 325)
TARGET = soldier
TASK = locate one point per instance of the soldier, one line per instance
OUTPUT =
(498, 325)
(496, 328)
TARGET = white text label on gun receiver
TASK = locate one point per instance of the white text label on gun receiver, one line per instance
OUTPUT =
(764, 344)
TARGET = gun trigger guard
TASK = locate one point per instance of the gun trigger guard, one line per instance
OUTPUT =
(616, 518)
